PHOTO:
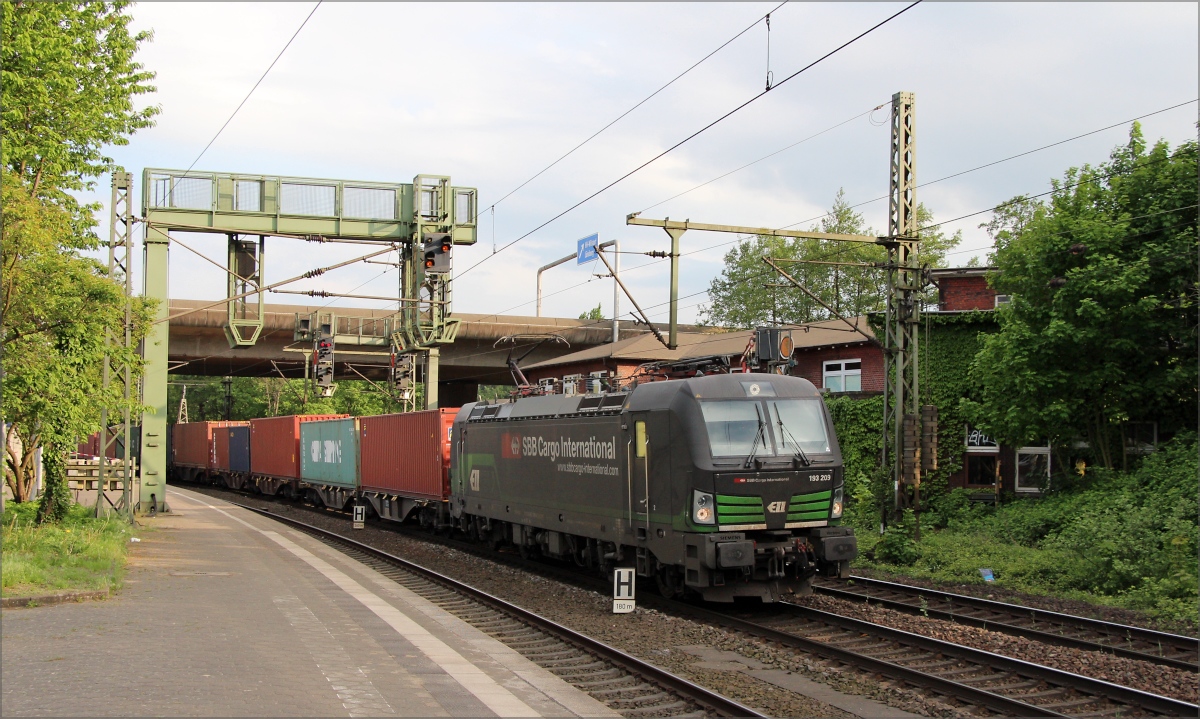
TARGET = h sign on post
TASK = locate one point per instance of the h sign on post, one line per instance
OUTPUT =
(360, 516)
(587, 249)
(623, 590)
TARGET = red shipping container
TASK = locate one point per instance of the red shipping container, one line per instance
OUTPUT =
(220, 445)
(275, 444)
(193, 443)
(407, 454)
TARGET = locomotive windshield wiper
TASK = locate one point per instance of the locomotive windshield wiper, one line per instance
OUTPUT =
(760, 435)
(789, 437)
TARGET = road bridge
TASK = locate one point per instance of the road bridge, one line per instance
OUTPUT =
(198, 346)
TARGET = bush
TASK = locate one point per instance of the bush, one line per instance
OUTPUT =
(1125, 539)
(897, 546)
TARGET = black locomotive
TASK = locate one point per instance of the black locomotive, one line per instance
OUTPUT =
(726, 485)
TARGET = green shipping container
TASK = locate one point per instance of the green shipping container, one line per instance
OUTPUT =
(329, 452)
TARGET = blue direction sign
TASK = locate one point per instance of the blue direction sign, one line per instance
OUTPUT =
(587, 249)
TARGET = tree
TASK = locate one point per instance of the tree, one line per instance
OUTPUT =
(70, 81)
(593, 314)
(54, 308)
(749, 293)
(1101, 326)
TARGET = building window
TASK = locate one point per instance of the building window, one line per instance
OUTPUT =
(843, 376)
(1033, 469)
(981, 470)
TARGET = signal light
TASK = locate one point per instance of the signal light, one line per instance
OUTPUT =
(437, 249)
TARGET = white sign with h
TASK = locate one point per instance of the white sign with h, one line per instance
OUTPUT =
(623, 590)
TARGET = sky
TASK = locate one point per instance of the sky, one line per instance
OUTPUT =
(491, 94)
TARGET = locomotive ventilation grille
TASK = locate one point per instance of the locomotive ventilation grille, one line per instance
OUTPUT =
(809, 507)
(739, 511)
(747, 512)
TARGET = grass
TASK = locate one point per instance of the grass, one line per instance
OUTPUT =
(81, 553)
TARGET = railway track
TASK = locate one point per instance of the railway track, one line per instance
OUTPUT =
(968, 676)
(997, 683)
(625, 683)
(1038, 624)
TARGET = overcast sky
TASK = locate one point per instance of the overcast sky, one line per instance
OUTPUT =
(490, 94)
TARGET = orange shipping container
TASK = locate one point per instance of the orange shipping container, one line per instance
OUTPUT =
(407, 454)
(275, 444)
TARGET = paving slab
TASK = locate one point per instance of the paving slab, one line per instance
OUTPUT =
(228, 613)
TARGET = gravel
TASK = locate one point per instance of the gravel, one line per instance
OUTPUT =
(655, 637)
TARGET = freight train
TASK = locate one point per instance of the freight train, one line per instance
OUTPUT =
(721, 486)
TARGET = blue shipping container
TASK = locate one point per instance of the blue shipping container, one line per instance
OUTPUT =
(239, 449)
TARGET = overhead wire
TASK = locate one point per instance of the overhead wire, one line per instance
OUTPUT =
(695, 134)
(643, 101)
(764, 157)
(1006, 159)
(252, 89)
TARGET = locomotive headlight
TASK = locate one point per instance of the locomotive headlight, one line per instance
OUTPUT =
(702, 508)
(836, 507)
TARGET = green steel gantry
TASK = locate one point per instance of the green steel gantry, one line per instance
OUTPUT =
(249, 208)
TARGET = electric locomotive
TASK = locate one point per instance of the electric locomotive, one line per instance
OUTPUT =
(726, 485)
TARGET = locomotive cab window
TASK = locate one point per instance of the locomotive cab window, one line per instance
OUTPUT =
(735, 428)
(799, 423)
(639, 440)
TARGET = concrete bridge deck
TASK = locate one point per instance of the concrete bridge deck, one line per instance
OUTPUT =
(198, 345)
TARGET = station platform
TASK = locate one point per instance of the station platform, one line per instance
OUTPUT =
(227, 613)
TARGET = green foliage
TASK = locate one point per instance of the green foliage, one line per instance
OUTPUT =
(740, 298)
(56, 501)
(1104, 333)
(857, 423)
(78, 553)
(596, 313)
(70, 81)
(495, 391)
(897, 547)
(54, 331)
(274, 397)
(1128, 539)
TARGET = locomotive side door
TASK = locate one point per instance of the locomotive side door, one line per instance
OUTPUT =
(638, 480)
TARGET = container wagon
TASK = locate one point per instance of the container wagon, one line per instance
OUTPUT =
(329, 460)
(192, 449)
(404, 464)
(275, 452)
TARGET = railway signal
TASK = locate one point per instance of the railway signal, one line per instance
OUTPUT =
(437, 252)
(323, 363)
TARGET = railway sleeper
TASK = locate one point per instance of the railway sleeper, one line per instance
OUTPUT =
(601, 679)
(658, 697)
(615, 690)
(589, 668)
(984, 678)
(657, 709)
